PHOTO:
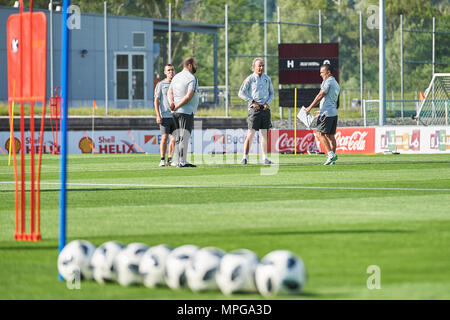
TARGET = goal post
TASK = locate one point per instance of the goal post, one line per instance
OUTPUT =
(434, 108)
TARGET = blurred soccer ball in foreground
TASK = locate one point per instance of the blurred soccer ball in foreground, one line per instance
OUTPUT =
(280, 272)
(236, 272)
(127, 264)
(74, 260)
(176, 264)
(103, 261)
(201, 271)
(152, 265)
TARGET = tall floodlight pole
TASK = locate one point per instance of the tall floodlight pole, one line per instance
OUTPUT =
(226, 61)
(401, 64)
(106, 55)
(433, 58)
(169, 58)
(433, 62)
(361, 82)
(279, 42)
(382, 71)
(64, 96)
(265, 36)
(320, 26)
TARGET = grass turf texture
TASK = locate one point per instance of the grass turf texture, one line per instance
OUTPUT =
(337, 232)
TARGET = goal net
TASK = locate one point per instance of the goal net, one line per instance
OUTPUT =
(434, 108)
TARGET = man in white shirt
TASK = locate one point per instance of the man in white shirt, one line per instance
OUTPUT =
(183, 100)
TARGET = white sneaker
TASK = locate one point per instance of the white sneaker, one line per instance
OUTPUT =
(331, 160)
(162, 163)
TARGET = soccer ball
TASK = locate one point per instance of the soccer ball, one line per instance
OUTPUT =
(74, 260)
(201, 271)
(152, 265)
(103, 261)
(280, 272)
(176, 264)
(237, 271)
(127, 264)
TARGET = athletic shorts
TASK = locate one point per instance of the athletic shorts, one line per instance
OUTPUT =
(259, 119)
(183, 121)
(167, 126)
(327, 125)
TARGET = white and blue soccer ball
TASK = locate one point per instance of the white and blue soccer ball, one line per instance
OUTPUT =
(74, 260)
(280, 272)
(127, 264)
(152, 265)
(237, 272)
(203, 268)
(176, 265)
(103, 261)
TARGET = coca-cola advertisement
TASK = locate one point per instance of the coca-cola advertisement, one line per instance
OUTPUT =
(348, 140)
(283, 141)
(355, 140)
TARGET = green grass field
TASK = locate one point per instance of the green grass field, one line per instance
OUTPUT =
(386, 210)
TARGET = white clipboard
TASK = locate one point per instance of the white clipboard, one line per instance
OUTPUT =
(305, 118)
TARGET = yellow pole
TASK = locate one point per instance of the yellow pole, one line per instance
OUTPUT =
(11, 119)
(295, 122)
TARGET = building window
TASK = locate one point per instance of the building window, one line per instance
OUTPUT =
(138, 39)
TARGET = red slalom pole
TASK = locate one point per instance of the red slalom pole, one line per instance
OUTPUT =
(22, 171)
(33, 176)
(33, 149)
(37, 236)
(16, 181)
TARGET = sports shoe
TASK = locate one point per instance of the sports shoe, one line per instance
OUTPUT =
(187, 165)
(331, 160)
(190, 165)
(162, 163)
(171, 164)
(267, 161)
(244, 161)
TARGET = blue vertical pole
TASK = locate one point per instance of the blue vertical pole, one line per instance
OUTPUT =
(64, 96)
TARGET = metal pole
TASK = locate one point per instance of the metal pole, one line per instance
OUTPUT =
(433, 58)
(106, 55)
(364, 112)
(401, 64)
(279, 42)
(361, 83)
(433, 61)
(170, 34)
(446, 112)
(382, 71)
(265, 36)
(64, 95)
(216, 72)
(320, 26)
(226, 61)
(51, 47)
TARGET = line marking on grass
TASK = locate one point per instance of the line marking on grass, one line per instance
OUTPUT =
(126, 185)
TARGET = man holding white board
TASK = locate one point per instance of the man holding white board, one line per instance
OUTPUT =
(328, 115)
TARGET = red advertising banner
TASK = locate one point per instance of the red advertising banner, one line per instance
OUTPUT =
(283, 141)
(355, 140)
(348, 140)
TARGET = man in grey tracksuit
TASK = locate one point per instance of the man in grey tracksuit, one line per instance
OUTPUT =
(257, 91)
